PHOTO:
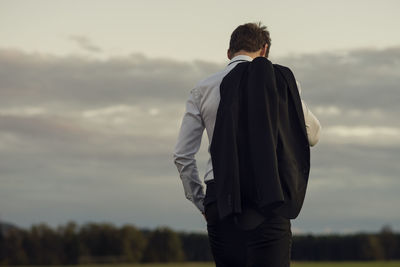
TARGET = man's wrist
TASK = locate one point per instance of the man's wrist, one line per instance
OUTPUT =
(199, 204)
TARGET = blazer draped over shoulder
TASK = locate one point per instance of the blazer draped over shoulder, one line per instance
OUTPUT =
(259, 150)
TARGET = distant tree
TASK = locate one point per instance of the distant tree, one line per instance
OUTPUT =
(368, 247)
(71, 244)
(389, 242)
(303, 247)
(44, 245)
(196, 247)
(101, 243)
(397, 250)
(164, 245)
(14, 249)
(335, 247)
(133, 243)
(2, 247)
(375, 247)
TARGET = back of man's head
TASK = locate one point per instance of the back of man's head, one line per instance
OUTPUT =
(249, 37)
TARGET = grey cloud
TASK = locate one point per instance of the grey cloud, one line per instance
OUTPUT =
(74, 81)
(360, 79)
(39, 127)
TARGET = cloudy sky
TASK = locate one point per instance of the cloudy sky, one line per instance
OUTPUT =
(92, 94)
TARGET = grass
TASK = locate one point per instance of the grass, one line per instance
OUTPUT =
(210, 264)
(348, 264)
(294, 264)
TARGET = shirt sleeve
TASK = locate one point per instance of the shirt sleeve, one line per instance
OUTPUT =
(187, 145)
(313, 126)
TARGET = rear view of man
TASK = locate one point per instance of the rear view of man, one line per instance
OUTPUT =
(259, 133)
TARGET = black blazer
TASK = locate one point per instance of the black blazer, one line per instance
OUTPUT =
(259, 150)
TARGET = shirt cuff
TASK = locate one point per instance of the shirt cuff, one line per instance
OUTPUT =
(199, 204)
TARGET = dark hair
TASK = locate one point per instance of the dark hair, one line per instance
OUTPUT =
(249, 37)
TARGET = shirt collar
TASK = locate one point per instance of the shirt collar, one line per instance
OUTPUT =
(239, 58)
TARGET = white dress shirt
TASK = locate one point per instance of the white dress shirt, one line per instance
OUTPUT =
(201, 111)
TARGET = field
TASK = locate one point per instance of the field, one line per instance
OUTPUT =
(296, 264)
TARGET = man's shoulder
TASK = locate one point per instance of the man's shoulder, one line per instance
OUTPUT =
(281, 67)
(284, 71)
(208, 83)
(212, 79)
(287, 75)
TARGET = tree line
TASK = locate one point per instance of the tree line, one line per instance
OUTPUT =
(106, 243)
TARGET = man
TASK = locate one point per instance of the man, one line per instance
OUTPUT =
(241, 232)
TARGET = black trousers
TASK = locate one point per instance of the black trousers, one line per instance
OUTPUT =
(256, 243)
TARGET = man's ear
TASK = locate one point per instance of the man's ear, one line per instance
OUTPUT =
(228, 54)
(264, 50)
